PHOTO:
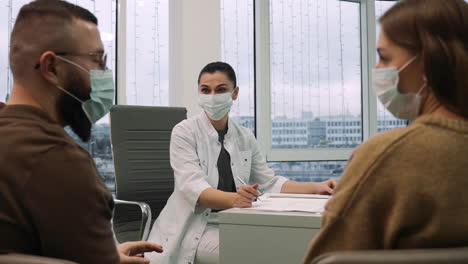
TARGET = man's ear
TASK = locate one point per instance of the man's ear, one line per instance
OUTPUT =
(236, 93)
(47, 67)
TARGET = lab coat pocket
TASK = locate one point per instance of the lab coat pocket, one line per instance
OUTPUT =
(246, 163)
(204, 166)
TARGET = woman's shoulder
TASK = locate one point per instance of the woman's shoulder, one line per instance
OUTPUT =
(239, 128)
(368, 165)
(389, 140)
(242, 133)
(189, 124)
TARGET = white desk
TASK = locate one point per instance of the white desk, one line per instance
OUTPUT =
(261, 237)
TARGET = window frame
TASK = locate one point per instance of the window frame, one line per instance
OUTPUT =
(121, 77)
(263, 87)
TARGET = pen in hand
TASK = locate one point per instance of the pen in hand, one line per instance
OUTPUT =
(259, 192)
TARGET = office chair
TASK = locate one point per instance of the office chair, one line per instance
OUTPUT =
(140, 137)
(29, 259)
(401, 256)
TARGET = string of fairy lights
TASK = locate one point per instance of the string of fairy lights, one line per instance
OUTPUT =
(157, 88)
(11, 22)
(147, 78)
(238, 50)
(310, 45)
(302, 77)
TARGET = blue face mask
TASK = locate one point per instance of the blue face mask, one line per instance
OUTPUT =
(102, 93)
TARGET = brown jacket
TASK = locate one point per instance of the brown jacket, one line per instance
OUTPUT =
(52, 200)
(402, 189)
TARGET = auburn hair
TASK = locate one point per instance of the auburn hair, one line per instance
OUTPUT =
(437, 30)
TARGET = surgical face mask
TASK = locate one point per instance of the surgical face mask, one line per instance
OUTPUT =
(102, 93)
(216, 106)
(385, 83)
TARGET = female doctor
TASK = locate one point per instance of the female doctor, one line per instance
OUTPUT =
(212, 156)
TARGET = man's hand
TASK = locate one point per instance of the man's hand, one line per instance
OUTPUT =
(132, 252)
(325, 187)
(245, 195)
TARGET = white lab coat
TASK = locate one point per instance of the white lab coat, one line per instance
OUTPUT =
(194, 151)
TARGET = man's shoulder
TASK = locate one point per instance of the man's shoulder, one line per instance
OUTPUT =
(40, 151)
(31, 138)
(69, 167)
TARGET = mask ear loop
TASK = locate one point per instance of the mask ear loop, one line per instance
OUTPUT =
(77, 65)
(73, 63)
(422, 88)
(70, 94)
(408, 122)
(408, 63)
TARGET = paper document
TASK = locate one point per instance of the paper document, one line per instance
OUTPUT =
(297, 195)
(288, 203)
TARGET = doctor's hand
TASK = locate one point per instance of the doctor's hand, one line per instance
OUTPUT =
(325, 187)
(132, 252)
(244, 196)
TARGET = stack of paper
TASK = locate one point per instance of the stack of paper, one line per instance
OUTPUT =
(291, 203)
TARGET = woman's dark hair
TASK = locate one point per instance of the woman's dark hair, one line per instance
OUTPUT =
(219, 67)
(437, 30)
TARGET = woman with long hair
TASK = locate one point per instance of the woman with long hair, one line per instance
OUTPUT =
(406, 188)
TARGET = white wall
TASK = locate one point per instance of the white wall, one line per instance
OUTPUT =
(195, 40)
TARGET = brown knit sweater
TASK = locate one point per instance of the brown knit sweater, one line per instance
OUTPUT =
(405, 188)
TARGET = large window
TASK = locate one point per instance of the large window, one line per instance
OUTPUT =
(315, 87)
(147, 60)
(318, 109)
(315, 74)
(315, 55)
(237, 40)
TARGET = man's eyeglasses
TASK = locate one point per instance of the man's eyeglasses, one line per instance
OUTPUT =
(99, 57)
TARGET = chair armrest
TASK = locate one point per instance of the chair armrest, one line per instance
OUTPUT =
(145, 217)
